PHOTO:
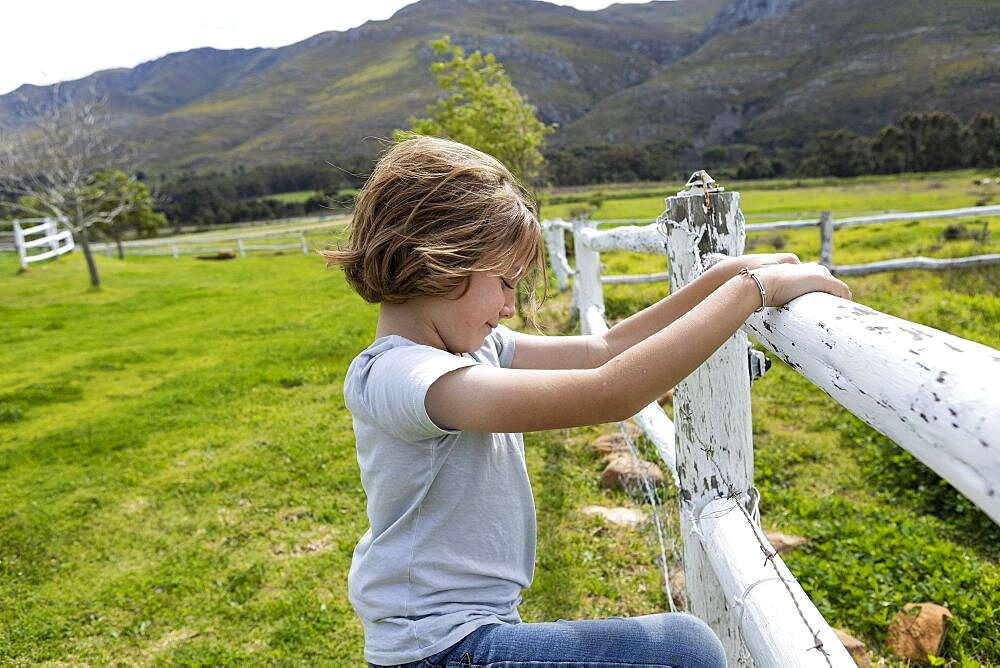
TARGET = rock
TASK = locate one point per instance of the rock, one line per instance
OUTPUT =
(918, 630)
(616, 441)
(677, 587)
(783, 542)
(854, 647)
(627, 517)
(633, 429)
(609, 444)
(626, 472)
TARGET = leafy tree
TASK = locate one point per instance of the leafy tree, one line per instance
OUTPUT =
(139, 220)
(755, 165)
(889, 151)
(984, 135)
(483, 109)
(615, 163)
(843, 153)
(936, 140)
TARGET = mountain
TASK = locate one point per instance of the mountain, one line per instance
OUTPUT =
(777, 76)
(771, 72)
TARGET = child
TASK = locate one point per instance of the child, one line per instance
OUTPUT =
(442, 235)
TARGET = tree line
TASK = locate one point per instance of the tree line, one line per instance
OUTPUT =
(243, 194)
(919, 142)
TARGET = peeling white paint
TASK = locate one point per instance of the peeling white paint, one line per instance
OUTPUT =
(553, 232)
(763, 594)
(711, 409)
(635, 238)
(932, 393)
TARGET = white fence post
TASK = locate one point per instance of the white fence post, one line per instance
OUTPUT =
(305, 246)
(243, 252)
(22, 254)
(826, 239)
(555, 242)
(711, 409)
(588, 293)
(53, 240)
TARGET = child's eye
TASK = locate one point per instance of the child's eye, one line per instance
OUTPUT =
(506, 283)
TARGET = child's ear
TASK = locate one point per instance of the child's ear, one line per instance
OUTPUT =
(461, 288)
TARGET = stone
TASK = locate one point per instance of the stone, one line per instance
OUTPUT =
(626, 472)
(784, 543)
(918, 630)
(854, 647)
(677, 587)
(627, 517)
(609, 444)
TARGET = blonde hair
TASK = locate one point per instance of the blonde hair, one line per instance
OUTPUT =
(432, 212)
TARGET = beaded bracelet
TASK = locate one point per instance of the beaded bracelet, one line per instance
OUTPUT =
(760, 286)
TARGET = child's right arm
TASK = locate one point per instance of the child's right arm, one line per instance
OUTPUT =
(482, 398)
(587, 352)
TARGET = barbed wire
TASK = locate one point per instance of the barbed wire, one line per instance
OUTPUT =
(662, 535)
(741, 500)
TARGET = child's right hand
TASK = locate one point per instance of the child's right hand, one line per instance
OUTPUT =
(785, 282)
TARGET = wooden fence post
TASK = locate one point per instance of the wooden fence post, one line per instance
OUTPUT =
(588, 293)
(826, 239)
(711, 409)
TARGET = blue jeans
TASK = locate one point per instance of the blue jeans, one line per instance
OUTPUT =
(676, 640)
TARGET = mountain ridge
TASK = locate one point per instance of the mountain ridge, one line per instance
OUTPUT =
(767, 72)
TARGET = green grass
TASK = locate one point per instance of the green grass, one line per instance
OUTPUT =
(179, 484)
(292, 197)
(781, 199)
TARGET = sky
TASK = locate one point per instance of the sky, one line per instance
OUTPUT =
(46, 41)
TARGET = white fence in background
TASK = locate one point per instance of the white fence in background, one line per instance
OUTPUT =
(234, 245)
(934, 394)
(37, 239)
(238, 242)
(642, 238)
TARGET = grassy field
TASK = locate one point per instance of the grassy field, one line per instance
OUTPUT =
(791, 199)
(179, 484)
(292, 197)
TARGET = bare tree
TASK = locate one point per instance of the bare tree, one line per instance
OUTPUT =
(48, 169)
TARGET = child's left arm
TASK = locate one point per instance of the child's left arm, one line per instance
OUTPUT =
(590, 352)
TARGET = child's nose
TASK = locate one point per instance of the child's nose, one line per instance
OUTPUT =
(507, 310)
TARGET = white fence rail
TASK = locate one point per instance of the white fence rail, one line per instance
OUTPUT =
(934, 394)
(237, 242)
(642, 239)
(37, 239)
(214, 245)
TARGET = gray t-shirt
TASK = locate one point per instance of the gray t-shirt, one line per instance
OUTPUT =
(451, 542)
